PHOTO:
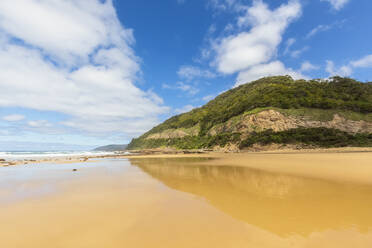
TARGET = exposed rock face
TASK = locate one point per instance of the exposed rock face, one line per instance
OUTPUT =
(269, 119)
(168, 134)
(272, 119)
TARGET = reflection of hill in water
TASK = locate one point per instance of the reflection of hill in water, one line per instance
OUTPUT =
(281, 204)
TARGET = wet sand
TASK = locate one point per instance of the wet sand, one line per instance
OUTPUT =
(353, 167)
(223, 200)
(337, 164)
(49, 160)
(159, 153)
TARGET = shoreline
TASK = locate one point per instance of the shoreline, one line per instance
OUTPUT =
(169, 153)
(342, 165)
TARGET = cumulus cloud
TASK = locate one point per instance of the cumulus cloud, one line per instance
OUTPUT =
(258, 45)
(342, 71)
(73, 57)
(251, 49)
(187, 88)
(365, 62)
(307, 66)
(14, 117)
(337, 4)
(347, 70)
(190, 72)
(274, 68)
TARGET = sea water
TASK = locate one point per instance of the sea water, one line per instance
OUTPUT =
(20, 155)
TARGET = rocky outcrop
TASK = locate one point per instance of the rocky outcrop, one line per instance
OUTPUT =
(272, 119)
(269, 119)
(168, 134)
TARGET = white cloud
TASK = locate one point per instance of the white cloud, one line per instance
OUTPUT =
(42, 146)
(74, 58)
(364, 62)
(289, 44)
(307, 66)
(14, 117)
(112, 125)
(324, 27)
(190, 89)
(337, 4)
(274, 68)
(187, 88)
(293, 53)
(39, 123)
(221, 4)
(347, 70)
(317, 29)
(258, 45)
(298, 52)
(191, 72)
(250, 47)
(68, 30)
(342, 71)
(184, 109)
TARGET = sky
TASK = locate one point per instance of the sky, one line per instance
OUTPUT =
(76, 74)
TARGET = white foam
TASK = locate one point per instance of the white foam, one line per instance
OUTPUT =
(50, 154)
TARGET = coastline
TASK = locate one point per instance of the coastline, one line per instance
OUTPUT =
(348, 164)
(170, 153)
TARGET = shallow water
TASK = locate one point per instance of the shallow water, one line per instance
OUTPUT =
(186, 202)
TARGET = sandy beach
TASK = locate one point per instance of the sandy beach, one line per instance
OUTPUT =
(297, 199)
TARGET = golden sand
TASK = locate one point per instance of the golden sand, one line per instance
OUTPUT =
(190, 201)
(339, 166)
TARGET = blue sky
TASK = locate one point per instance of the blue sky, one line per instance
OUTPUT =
(94, 72)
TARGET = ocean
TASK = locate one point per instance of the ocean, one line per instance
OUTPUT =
(20, 155)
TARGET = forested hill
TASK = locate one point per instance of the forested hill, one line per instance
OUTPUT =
(273, 105)
(111, 148)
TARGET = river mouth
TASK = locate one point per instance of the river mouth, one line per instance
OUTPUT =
(171, 202)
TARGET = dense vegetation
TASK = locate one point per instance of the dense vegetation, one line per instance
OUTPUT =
(188, 142)
(336, 94)
(111, 148)
(320, 137)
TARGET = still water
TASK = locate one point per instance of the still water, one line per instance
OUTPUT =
(184, 202)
